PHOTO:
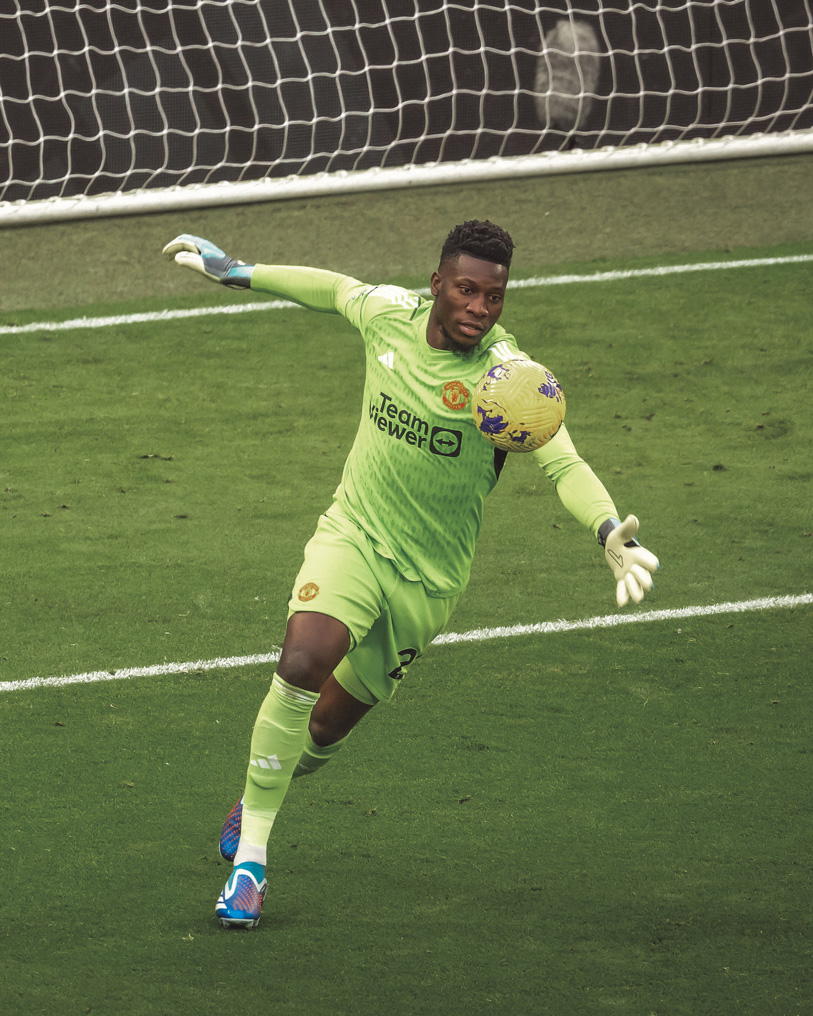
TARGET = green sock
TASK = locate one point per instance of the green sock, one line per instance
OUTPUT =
(314, 756)
(276, 745)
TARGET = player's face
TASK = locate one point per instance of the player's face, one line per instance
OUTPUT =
(469, 295)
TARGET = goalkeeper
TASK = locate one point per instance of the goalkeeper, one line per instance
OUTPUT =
(392, 554)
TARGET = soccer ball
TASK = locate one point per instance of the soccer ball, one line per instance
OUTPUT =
(518, 405)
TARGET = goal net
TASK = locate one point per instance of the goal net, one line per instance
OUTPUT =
(108, 107)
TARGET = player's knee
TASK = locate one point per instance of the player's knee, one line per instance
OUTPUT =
(302, 670)
(313, 646)
(305, 666)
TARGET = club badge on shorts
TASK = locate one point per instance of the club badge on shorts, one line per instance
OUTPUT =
(308, 592)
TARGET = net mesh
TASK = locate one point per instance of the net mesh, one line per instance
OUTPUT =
(100, 97)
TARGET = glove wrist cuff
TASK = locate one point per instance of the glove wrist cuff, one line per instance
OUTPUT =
(239, 276)
(605, 529)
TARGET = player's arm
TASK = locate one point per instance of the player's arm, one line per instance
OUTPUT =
(586, 498)
(314, 288)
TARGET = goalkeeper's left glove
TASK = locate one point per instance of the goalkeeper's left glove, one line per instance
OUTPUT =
(631, 563)
(202, 256)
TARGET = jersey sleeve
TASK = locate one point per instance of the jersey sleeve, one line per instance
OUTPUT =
(332, 293)
(361, 303)
(314, 288)
(578, 487)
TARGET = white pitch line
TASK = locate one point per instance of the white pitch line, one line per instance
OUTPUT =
(145, 318)
(613, 620)
(643, 273)
(544, 280)
(477, 635)
(157, 670)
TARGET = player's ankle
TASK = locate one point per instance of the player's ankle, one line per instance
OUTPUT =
(250, 852)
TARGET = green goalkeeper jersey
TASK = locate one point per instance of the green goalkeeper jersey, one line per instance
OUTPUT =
(418, 473)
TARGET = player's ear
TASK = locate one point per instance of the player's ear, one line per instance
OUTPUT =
(434, 284)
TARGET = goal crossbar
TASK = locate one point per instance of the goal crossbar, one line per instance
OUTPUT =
(23, 213)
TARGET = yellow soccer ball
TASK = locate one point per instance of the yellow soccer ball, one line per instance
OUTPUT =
(518, 405)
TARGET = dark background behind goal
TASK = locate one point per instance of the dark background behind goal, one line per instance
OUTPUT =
(95, 100)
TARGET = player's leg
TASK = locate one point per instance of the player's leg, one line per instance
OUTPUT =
(313, 647)
(314, 644)
(335, 714)
(332, 719)
(409, 619)
(336, 599)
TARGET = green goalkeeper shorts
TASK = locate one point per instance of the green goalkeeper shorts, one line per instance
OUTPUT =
(391, 620)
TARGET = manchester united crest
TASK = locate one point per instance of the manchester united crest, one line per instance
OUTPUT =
(455, 395)
(308, 592)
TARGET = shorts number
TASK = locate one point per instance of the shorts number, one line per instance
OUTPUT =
(407, 656)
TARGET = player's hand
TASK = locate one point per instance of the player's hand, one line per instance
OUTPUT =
(202, 256)
(632, 564)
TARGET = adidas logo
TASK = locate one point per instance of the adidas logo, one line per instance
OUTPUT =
(269, 762)
(388, 359)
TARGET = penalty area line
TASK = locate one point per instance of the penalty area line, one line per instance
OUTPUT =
(452, 638)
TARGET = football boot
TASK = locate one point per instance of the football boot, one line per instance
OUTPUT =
(230, 833)
(241, 901)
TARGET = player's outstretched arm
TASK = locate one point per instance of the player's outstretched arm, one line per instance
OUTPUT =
(631, 564)
(314, 288)
(202, 256)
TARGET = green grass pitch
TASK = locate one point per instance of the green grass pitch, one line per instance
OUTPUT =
(602, 821)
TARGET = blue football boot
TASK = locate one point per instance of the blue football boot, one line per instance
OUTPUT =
(230, 833)
(241, 901)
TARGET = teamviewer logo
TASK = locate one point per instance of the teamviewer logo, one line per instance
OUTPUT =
(443, 441)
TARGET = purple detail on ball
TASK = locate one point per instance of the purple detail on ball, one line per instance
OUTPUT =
(499, 371)
(491, 424)
(551, 389)
(520, 437)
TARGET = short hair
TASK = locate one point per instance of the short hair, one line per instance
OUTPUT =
(479, 239)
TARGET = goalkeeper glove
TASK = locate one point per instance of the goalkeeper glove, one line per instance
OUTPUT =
(631, 563)
(202, 256)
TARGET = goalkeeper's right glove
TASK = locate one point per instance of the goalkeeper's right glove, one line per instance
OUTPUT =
(202, 256)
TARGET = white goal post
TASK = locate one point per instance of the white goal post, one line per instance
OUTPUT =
(109, 108)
